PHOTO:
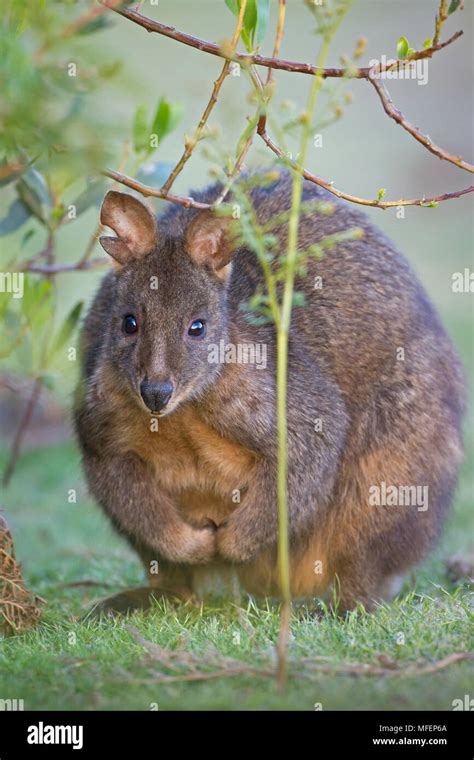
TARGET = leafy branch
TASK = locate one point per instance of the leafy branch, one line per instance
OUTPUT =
(250, 60)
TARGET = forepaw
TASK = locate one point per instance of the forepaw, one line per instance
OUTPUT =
(231, 547)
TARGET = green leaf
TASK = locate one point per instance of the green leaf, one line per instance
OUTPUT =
(299, 298)
(249, 129)
(16, 216)
(57, 213)
(67, 328)
(5, 304)
(233, 6)
(250, 19)
(427, 43)
(381, 193)
(109, 70)
(140, 133)
(35, 292)
(162, 119)
(325, 207)
(31, 200)
(27, 236)
(402, 47)
(316, 251)
(38, 184)
(453, 6)
(166, 118)
(33, 191)
(256, 315)
(48, 380)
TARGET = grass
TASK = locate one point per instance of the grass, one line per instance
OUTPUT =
(69, 662)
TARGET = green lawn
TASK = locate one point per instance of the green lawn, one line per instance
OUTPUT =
(102, 666)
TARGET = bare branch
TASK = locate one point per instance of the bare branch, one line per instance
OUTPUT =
(20, 432)
(425, 201)
(397, 116)
(251, 60)
(79, 266)
(236, 170)
(154, 192)
(248, 59)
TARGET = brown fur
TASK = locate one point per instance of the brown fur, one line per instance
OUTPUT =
(172, 492)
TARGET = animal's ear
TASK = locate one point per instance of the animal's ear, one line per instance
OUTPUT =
(133, 223)
(210, 242)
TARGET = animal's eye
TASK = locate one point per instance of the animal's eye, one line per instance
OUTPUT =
(197, 328)
(129, 324)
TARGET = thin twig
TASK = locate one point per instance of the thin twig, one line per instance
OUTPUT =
(441, 17)
(154, 192)
(78, 266)
(279, 35)
(18, 439)
(247, 59)
(275, 63)
(198, 676)
(397, 116)
(100, 227)
(45, 253)
(434, 667)
(309, 668)
(237, 168)
(248, 143)
(367, 669)
(191, 143)
(375, 203)
(82, 263)
(179, 659)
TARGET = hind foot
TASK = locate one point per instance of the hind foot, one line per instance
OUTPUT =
(141, 598)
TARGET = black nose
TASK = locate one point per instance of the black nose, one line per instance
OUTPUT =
(156, 395)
